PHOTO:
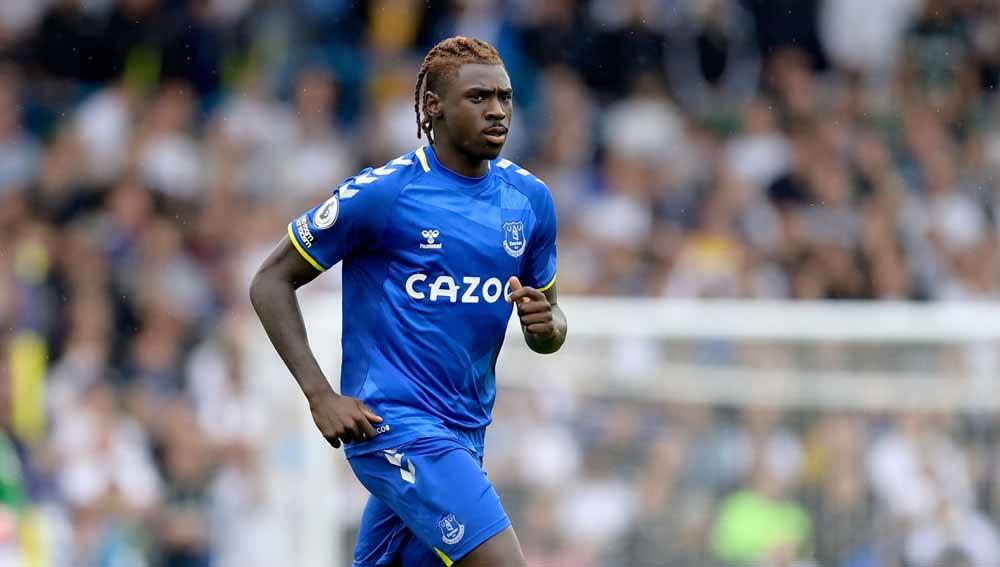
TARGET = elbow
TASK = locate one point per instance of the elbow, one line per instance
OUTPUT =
(548, 346)
(268, 286)
(272, 281)
(258, 287)
(547, 349)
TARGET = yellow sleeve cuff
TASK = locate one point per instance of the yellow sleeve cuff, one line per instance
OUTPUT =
(550, 284)
(295, 243)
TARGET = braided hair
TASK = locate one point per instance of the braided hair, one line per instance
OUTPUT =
(443, 60)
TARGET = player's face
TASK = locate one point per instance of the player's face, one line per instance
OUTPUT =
(477, 108)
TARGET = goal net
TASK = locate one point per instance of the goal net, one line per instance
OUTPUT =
(710, 433)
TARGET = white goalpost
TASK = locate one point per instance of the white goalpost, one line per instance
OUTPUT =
(801, 356)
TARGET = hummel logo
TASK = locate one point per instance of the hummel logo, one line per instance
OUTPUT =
(431, 235)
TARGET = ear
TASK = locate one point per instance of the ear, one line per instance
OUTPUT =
(432, 104)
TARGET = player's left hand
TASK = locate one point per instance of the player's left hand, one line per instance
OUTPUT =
(533, 308)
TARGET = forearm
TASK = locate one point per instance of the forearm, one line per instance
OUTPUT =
(549, 344)
(276, 305)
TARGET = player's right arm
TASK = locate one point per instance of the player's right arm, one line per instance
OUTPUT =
(273, 294)
(351, 219)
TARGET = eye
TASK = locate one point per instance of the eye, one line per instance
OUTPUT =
(506, 97)
(476, 97)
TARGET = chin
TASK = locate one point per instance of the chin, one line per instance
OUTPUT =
(481, 150)
(492, 153)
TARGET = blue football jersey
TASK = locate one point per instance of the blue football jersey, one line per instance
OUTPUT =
(427, 254)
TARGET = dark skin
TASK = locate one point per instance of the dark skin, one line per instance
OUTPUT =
(466, 118)
(341, 419)
(470, 117)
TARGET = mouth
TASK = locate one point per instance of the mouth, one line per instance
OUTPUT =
(495, 134)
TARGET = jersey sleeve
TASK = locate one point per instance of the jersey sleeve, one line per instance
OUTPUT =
(539, 270)
(352, 218)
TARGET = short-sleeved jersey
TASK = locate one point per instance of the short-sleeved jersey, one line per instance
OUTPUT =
(427, 254)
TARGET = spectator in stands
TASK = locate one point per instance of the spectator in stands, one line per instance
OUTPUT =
(761, 525)
(19, 153)
(836, 492)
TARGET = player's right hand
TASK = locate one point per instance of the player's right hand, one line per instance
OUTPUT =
(343, 419)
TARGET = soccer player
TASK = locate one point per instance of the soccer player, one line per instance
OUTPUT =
(437, 245)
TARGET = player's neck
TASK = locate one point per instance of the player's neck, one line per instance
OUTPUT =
(449, 156)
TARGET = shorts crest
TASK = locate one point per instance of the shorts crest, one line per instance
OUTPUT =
(451, 530)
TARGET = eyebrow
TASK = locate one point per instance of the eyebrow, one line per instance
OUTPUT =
(484, 89)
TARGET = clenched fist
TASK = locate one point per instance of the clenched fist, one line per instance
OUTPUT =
(533, 309)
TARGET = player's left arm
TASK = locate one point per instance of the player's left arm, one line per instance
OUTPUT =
(542, 321)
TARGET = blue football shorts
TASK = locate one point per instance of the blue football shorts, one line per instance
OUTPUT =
(430, 504)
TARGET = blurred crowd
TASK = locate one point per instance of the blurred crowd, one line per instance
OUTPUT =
(813, 149)
(673, 485)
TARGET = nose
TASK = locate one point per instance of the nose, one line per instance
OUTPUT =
(495, 111)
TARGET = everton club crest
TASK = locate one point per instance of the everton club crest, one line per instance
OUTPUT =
(513, 238)
(451, 530)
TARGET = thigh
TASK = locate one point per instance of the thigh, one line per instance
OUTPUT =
(501, 550)
(439, 490)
